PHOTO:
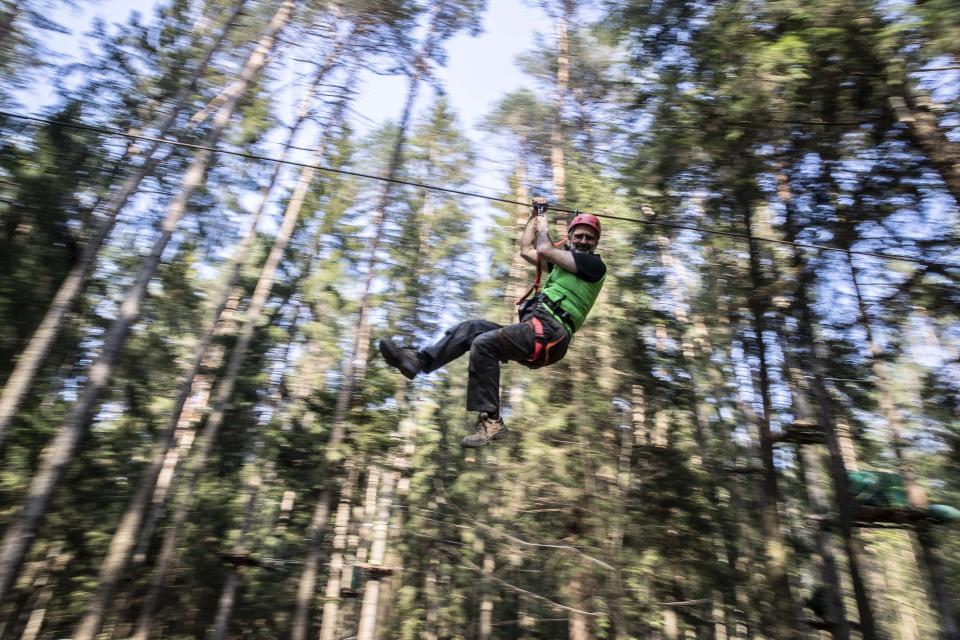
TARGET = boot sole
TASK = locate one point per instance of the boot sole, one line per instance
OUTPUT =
(392, 358)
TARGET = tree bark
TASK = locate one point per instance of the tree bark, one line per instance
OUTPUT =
(356, 365)
(341, 526)
(823, 412)
(781, 619)
(228, 594)
(938, 584)
(37, 348)
(516, 280)
(923, 125)
(378, 551)
(561, 84)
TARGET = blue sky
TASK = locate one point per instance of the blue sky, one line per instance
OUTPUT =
(479, 70)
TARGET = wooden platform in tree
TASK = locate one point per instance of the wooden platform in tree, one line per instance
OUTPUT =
(827, 626)
(801, 432)
(867, 515)
(374, 570)
(241, 559)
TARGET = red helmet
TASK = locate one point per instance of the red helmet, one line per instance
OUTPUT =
(585, 218)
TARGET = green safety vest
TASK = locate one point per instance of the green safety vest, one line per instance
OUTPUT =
(574, 295)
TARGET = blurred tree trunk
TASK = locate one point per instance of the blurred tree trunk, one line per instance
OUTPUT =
(393, 487)
(488, 564)
(36, 350)
(8, 16)
(354, 368)
(341, 527)
(359, 543)
(241, 547)
(916, 496)
(722, 537)
(811, 361)
(901, 597)
(58, 454)
(42, 585)
(716, 360)
(228, 594)
(938, 583)
(378, 550)
(308, 577)
(187, 415)
(630, 424)
(561, 85)
(912, 108)
(781, 619)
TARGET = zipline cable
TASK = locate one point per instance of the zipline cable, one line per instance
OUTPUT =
(420, 185)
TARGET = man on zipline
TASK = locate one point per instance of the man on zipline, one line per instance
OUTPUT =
(547, 320)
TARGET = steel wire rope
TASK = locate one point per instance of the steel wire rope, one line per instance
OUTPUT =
(358, 174)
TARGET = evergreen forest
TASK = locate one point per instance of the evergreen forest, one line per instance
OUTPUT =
(755, 435)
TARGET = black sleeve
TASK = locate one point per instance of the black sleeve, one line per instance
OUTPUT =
(589, 266)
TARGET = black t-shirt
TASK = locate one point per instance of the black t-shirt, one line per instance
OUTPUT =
(589, 266)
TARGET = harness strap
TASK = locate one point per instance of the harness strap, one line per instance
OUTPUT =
(539, 340)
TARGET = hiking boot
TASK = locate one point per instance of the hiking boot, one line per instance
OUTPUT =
(405, 359)
(488, 429)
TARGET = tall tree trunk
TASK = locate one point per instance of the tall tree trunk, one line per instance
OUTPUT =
(561, 85)
(378, 551)
(356, 364)
(703, 459)
(8, 18)
(915, 110)
(354, 368)
(392, 485)
(631, 423)
(811, 360)
(732, 513)
(43, 584)
(359, 544)
(228, 594)
(938, 583)
(814, 481)
(306, 586)
(915, 495)
(59, 452)
(781, 619)
(37, 348)
(341, 526)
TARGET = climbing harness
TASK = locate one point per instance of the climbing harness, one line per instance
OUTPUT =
(541, 348)
(557, 310)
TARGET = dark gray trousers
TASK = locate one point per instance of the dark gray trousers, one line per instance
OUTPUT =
(490, 344)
